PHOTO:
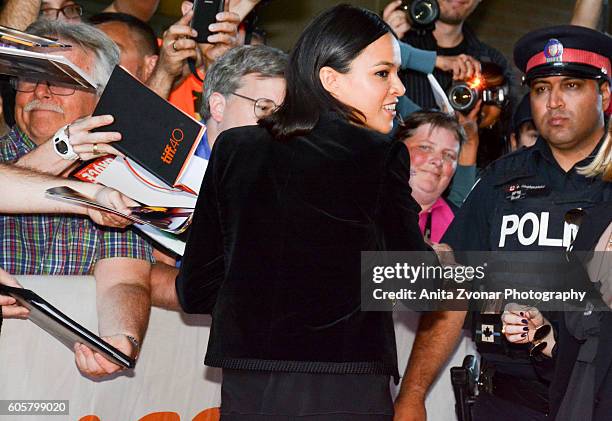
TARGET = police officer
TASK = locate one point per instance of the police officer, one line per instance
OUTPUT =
(520, 201)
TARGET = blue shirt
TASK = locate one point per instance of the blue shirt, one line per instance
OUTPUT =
(203, 149)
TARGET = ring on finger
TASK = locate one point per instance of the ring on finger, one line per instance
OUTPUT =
(503, 329)
(95, 150)
(174, 46)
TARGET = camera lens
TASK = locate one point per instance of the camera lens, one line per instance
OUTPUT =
(424, 12)
(462, 97)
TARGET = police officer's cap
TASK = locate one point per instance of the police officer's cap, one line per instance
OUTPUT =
(564, 50)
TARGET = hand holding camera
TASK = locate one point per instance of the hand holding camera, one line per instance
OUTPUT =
(490, 87)
(402, 15)
(463, 67)
(396, 18)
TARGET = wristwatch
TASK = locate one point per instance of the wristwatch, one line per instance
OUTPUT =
(62, 146)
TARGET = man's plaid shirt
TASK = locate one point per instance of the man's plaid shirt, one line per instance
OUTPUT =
(58, 244)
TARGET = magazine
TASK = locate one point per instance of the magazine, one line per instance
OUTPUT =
(171, 220)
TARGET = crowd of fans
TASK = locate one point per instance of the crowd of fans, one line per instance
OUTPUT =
(242, 84)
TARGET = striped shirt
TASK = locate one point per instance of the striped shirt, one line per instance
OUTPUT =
(58, 244)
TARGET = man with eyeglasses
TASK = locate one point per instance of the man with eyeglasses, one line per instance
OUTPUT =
(240, 88)
(243, 86)
(53, 131)
(19, 14)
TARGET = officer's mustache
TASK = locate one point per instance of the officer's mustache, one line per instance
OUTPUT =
(37, 104)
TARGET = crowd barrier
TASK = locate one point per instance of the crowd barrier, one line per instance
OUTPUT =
(169, 383)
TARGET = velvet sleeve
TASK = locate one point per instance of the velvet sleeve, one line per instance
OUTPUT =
(202, 268)
(398, 211)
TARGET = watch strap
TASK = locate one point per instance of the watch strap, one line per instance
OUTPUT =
(62, 146)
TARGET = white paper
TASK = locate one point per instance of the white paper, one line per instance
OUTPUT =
(440, 96)
(171, 242)
(194, 173)
(121, 178)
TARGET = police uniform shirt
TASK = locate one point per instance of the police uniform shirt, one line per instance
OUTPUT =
(519, 204)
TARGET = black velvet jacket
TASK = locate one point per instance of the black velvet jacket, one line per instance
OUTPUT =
(274, 249)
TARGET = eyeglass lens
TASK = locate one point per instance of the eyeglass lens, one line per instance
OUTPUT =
(264, 107)
(71, 11)
(29, 85)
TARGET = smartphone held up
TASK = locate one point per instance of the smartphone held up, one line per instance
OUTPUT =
(204, 14)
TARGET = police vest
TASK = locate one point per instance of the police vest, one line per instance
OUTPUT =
(530, 235)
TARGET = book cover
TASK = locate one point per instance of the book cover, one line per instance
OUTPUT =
(155, 134)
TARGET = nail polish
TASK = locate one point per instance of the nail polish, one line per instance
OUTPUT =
(524, 321)
(523, 335)
(525, 328)
(522, 314)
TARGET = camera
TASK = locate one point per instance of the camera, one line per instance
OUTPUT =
(422, 14)
(490, 86)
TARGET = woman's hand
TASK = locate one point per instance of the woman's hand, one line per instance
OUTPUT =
(520, 323)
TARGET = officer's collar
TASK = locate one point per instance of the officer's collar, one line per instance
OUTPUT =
(542, 147)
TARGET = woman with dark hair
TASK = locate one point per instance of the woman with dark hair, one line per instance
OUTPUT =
(275, 248)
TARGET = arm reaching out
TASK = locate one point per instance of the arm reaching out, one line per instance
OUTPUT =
(24, 192)
(435, 340)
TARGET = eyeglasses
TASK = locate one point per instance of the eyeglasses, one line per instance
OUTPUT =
(262, 107)
(29, 85)
(71, 11)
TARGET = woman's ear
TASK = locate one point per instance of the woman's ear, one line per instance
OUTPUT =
(330, 79)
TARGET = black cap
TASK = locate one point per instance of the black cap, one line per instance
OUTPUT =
(564, 50)
(522, 114)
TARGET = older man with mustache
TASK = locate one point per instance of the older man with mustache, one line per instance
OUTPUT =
(72, 245)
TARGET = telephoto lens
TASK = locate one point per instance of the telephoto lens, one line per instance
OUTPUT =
(421, 13)
(462, 96)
